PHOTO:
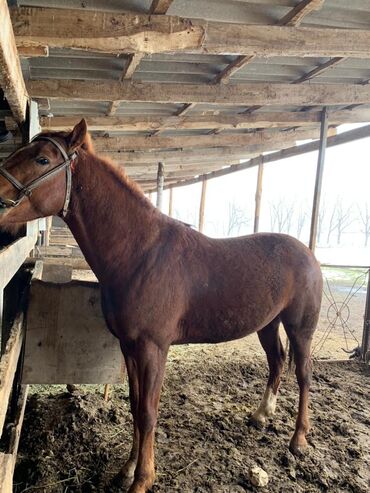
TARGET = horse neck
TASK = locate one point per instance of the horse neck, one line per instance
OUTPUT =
(112, 222)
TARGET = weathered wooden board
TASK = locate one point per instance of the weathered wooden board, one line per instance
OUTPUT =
(67, 339)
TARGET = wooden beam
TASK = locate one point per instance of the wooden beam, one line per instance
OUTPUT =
(318, 182)
(185, 109)
(160, 185)
(170, 203)
(25, 51)
(232, 68)
(239, 94)
(258, 137)
(202, 205)
(293, 18)
(160, 6)
(232, 122)
(343, 138)
(131, 33)
(258, 197)
(131, 65)
(11, 78)
(296, 15)
(112, 108)
(319, 70)
(8, 366)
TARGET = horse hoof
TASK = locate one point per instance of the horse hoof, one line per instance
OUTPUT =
(138, 487)
(122, 482)
(298, 447)
(257, 421)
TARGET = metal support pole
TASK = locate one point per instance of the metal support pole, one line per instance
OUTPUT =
(170, 203)
(318, 183)
(160, 184)
(202, 205)
(258, 196)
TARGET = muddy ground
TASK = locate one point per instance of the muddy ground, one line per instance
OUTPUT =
(76, 443)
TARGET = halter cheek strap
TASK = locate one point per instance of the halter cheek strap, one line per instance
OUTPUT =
(26, 190)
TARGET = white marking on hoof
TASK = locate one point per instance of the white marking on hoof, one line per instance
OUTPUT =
(267, 407)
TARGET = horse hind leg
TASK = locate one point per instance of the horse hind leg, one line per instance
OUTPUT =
(271, 343)
(300, 330)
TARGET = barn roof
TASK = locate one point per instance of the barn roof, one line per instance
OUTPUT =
(239, 79)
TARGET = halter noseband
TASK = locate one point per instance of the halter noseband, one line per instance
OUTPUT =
(26, 190)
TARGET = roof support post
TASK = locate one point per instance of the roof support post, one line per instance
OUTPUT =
(365, 346)
(160, 184)
(170, 203)
(258, 196)
(202, 205)
(318, 183)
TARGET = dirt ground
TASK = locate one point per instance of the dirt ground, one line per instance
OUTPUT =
(76, 443)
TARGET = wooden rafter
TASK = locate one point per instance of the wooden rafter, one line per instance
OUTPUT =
(132, 63)
(129, 33)
(127, 143)
(232, 122)
(160, 6)
(243, 94)
(11, 78)
(319, 70)
(293, 18)
(296, 15)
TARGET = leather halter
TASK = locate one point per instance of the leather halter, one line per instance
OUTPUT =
(26, 190)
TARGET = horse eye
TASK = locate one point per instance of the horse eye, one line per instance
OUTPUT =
(42, 160)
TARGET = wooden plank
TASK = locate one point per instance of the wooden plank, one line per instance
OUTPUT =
(160, 6)
(343, 138)
(318, 181)
(8, 459)
(8, 366)
(112, 32)
(240, 94)
(13, 256)
(67, 339)
(25, 51)
(296, 15)
(274, 119)
(108, 32)
(11, 78)
(258, 137)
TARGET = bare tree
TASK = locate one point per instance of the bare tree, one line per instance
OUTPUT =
(301, 219)
(321, 219)
(340, 219)
(364, 213)
(236, 219)
(281, 215)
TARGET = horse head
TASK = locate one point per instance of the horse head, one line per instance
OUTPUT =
(35, 181)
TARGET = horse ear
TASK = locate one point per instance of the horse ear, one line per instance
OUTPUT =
(78, 135)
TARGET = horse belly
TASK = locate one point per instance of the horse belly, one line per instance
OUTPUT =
(225, 325)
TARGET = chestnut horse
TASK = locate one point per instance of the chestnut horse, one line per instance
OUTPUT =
(164, 283)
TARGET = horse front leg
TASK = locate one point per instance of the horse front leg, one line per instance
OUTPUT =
(128, 470)
(147, 363)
